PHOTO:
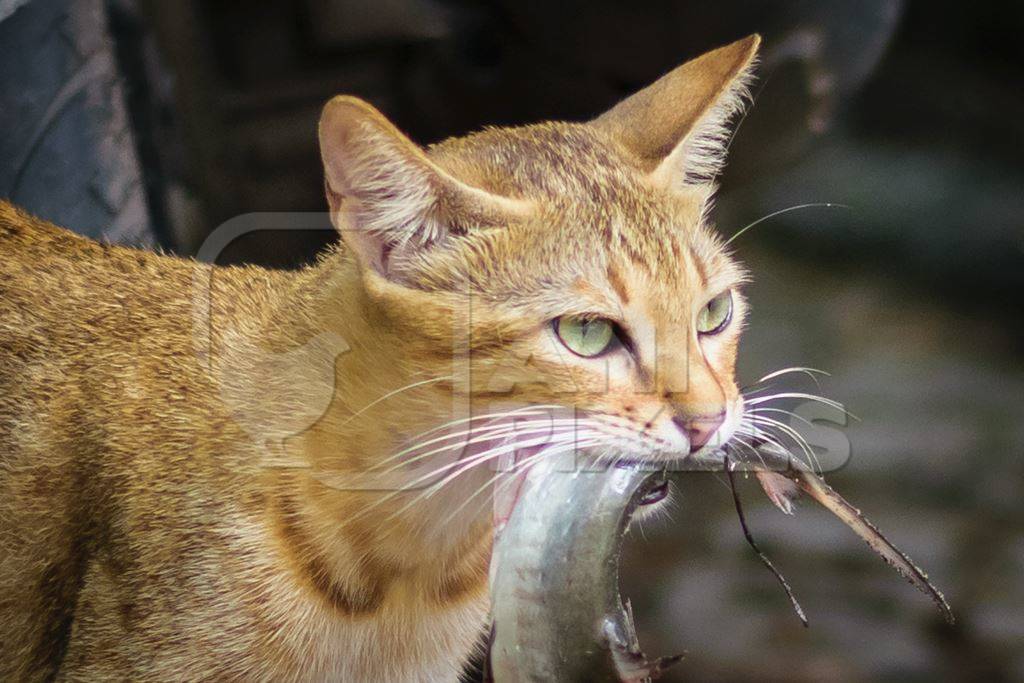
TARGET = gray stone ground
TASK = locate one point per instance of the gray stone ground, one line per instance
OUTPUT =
(935, 461)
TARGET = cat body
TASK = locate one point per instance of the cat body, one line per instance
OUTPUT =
(139, 535)
(179, 441)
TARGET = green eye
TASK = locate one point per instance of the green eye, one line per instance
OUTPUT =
(716, 314)
(586, 337)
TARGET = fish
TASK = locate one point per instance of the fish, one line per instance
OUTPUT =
(557, 614)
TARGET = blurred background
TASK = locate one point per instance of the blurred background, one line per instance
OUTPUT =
(150, 123)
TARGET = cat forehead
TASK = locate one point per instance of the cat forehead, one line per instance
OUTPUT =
(601, 261)
(572, 168)
(595, 214)
(553, 160)
(580, 182)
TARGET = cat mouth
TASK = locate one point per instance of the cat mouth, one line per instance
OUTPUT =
(508, 489)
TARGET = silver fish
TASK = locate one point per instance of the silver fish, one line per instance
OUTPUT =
(556, 609)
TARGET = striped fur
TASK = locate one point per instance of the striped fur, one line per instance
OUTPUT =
(185, 450)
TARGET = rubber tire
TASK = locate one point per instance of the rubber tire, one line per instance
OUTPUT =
(67, 148)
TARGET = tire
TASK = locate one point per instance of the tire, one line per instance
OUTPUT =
(68, 150)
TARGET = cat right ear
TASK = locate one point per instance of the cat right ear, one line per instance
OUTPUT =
(386, 197)
(676, 127)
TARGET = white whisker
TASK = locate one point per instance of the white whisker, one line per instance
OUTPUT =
(739, 439)
(475, 435)
(755, 432)
(543, 433)
(388, 395)
(492, 417)
(798, 438)
(555, 449)
(524, 410)
(477, 460)
(810, 372)
(758, 411)
(809, 397)
(827, 205)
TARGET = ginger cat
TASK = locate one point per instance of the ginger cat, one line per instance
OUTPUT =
(150, 531)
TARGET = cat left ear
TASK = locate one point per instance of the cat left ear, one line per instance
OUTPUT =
(677, 127)
(386, 197)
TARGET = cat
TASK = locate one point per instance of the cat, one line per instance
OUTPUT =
(150, 530)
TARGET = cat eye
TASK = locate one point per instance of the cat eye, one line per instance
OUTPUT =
(716, 314)
(587, 337)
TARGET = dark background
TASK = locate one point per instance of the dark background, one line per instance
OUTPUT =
(152, 122)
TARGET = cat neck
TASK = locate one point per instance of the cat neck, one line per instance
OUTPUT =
(334, 396)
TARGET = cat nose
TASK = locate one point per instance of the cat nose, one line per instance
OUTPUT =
(699, 429)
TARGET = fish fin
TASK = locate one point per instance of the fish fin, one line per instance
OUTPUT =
(781, 490)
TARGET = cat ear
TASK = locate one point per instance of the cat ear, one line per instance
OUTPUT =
(676, 127)
(386, 197)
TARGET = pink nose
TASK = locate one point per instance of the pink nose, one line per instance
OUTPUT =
(700, 429)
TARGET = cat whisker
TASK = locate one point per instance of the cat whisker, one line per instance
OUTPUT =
(800, 395)
(798, 438)
(471, 434)
(813, 373)
(826, 205)
(476, 461)
(738, 438)
(423, 444)
(541, 409)
(518, 432)
(511, 475)
(766, 434)
(490, 417)
(793, 433)
(755, 432)
(752, 390)
(485, 432)
(758, 411)
(759, 386)
(407, 387)
(551, 451)
(438, 471)
(555, 438)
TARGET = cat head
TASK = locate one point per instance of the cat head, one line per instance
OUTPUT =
(576, 258)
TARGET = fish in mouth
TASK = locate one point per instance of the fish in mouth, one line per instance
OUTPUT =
(556, 609)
